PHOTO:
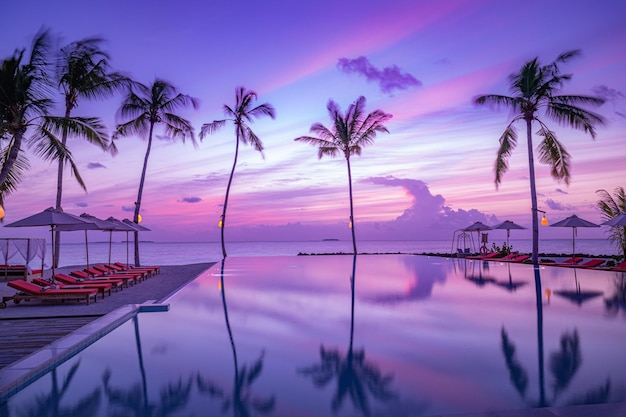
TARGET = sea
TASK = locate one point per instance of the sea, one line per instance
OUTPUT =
(177, 253)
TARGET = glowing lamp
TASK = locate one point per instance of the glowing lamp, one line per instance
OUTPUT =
(1, 212)
(544, 220)
(139, 218)
(350, 225)
(548, 293)
(220, 223)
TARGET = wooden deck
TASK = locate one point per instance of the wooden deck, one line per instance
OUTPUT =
(21, 337)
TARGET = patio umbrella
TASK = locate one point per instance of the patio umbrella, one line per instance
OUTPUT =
(118, 226)
(574, 222)
(477, 227)
(616, 221)
(135, 226)
(49, 217)
(93, 223)
(508, 226)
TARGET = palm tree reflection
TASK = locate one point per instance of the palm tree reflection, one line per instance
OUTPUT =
(241, 401)
(617, 301)
(49, 405)
(563, 365)
(134, 401)
(355, 377)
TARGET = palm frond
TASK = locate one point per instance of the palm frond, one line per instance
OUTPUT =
(89, 128)
(554, 154)
(496, 100)
(508, 142)
(16, 173)
(139, 126)
(250, 137)
(209, 128)
(178, 127)
(575, 117)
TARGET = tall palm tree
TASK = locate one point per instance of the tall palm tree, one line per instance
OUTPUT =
(145, 107)
(25, 100)
(535, 89)
(241, 115)
(612, 206)
(83, 71)
(349, 134)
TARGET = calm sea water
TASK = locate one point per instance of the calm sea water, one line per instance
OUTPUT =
(162, 253)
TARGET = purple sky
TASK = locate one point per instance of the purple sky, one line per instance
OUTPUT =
(422, 61)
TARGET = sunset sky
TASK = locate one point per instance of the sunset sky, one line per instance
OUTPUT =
(422, 61)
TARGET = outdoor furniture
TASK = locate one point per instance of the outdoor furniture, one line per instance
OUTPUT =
(118, 284)
(85, 276)
(29, 291)
(491, 255)
(589, 264)
(101, 287)
(570, 261)
(105, 271)
(156, 269)
(137, 277)
(149, 271)
(516, 258)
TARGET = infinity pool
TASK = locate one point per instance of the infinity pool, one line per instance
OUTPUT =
(380, 335)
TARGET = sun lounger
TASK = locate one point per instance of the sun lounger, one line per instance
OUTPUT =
(508, 257)
(517, 258)
(620, 267)
(147, 270)
(101, 287)
(126, 279)
(29, 291)
(137, 276)
(118, 284)
(156, 269)
(491, 255)
(105, 271)
(593, 263)
(570, 261)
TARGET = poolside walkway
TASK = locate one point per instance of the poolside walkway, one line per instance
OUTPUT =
(29, 326)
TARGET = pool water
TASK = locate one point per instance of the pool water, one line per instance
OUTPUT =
(380, 335)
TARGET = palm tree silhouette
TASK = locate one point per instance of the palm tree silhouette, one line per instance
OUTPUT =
(349, 134)
(134, 401)
(49, 405)
(25, 102)
(83, 71)
(241, 400)
(618, 300)
(145, 107)
(535, 88)
(612, 206)
(355, 376)
(241, 115)
(563, 363)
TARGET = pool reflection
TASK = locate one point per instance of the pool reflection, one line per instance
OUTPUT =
(355, 377)
(241, 400)
(563, 364)
(344, 336)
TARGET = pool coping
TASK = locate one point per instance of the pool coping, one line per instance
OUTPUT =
(23, 372)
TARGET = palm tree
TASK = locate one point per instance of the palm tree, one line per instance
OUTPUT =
(535, 88)
(143, 108)
(25, 99)
(349, 134)
(612, 206)
(83, 71)
(241, 115)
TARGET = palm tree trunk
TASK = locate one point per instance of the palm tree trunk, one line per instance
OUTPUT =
(57, 242)
(533, 193)
(230, 180)
(12, 156)
(138, 202)
(351, 205)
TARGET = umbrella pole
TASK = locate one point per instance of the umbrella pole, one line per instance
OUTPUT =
(86, 248)
(573, 241)
(52, 252)
(127, 247)
(110, 241)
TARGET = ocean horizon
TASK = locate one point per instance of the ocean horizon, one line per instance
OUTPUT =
(182, 253)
